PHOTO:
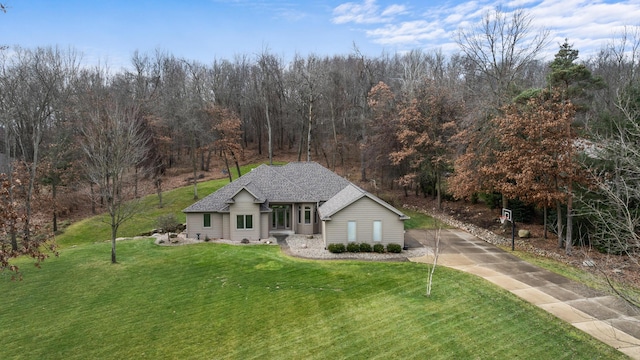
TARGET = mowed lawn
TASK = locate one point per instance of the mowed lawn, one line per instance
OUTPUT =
(214, 301)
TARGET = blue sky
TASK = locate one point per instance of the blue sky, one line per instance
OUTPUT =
(109, 31)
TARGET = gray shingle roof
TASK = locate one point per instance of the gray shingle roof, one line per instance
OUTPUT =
(294, 182)
(348, 196)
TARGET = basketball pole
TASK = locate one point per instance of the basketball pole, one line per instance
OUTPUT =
(513, 235)
(507, 214)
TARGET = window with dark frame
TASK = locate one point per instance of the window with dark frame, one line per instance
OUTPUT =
(307, 214)
(244, 222)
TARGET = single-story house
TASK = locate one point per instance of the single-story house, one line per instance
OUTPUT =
(297, 198)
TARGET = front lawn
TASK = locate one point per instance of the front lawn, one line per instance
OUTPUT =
(213, 301)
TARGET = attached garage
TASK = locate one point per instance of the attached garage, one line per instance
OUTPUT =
(354, 215)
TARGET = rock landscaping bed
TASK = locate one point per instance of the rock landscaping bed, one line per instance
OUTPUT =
(182, 239)
(303, 246)
(313, 248)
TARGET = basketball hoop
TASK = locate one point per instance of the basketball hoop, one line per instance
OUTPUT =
(506, 215)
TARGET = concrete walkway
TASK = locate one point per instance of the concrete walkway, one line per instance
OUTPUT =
(600, 315)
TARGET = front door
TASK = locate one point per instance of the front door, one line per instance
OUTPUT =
(281, 217)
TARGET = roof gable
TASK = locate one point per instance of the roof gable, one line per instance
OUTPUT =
(247, 189)
(348, 196)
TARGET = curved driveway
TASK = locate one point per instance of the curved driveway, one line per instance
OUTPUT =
(603, 316)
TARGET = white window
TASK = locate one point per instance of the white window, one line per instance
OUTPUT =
(377, 230)
(206, 220)
(351, 231)
(244, 222)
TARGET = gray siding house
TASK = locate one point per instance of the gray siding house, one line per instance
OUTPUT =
(297, 198)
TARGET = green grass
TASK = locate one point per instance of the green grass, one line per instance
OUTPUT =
(212, 301)
(421, 221)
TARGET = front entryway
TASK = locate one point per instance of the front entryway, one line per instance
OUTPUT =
(281, 217)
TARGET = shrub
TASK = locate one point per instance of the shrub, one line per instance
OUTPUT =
(379, 248)
(394, 248)
(353, 247)
(168, 223)
(364, 247)
(336, 248)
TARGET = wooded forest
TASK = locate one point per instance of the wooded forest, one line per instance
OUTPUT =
(494, 122)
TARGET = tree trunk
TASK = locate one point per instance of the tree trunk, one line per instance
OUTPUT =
(309, 128)
(363, 166)
(158, 184)
(135, 183)
(93, 203)
(194, 166)
(235, 160)
(114, 230)
(439, 190)
(12, 226)
(207, 165)
(545, 222)
(559, 211)
(269, 132)
(335, 138)
(226, 164)
(363, 144)
(569, 239)
(301, 143)
(55, 205)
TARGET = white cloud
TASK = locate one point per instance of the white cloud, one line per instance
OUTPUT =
(359, 13)
(366, 12)
(588, 24)
(520, 3)
(394, 10)
(410, 32)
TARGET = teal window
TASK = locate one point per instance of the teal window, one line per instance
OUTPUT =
(206, 220)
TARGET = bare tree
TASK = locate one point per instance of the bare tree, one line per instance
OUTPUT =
(501, 48)
(611, 205)
(432, 267)
(34, 85)
(113, 146)
(269, 84)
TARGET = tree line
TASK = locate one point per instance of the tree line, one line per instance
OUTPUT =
(493, 121)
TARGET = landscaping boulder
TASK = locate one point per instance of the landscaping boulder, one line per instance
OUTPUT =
(524, 234)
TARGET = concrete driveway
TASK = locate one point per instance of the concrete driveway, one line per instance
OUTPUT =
(603, 316)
